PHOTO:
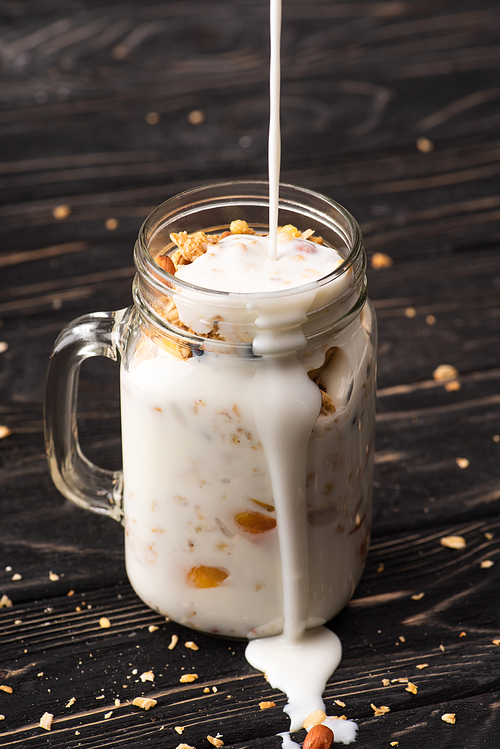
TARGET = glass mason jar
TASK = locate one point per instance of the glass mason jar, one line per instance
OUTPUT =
(206, 543)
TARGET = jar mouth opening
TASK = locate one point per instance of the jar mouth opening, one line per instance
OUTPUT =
(240, 193)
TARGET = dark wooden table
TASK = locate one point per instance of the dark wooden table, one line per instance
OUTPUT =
(393, 109)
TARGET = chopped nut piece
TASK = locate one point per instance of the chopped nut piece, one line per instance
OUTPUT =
(430, 319)
(191, 645)
(147, 676)
(487, 563)
(448, 718)
(453, 542)
(380, 260)
(463, 634)
(411, 688)
(4, 432)
(401, 638)
(422, 665)
(445, 372)
(327, 405)
(179, 729)
(410, 312)
(441, 647)
(381, 567)
(117, 702)
(152, 628)
(385, 682)
(61, 212)
(394, 743)
(53, 577)
(488, 536)
(187, 678)
(424, 145)
(111, 224)
(452, 386)
(70, 593)
(207, 577)
(215, 741)
(145, 703)
(108, 715)
(206, 690)
(382, 710)
(184, 746)
(5, 602)
(71, 702)
(5, 688)
(104, 622)
(196, 117)
(266, 705)
(173, 642)
(2, 717)
(417, 596)
(339, 703)
(46, 721)
(314, 719)
(496, 642)
(462, 463)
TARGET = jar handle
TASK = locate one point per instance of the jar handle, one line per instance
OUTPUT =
(76, 477)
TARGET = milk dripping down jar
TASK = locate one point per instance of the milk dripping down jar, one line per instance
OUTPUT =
(196, 498)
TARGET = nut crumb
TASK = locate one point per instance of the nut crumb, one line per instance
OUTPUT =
(394, 743)
(2, 717)
(412, 688)
(452, 386)
(5, 602)
(215, 740)
(462, 463)
(4, 432)
(382, 710)
(152, 628)
(381, 567)
(196, 117)
(339, 703)
(117, 702)
(70, 593)
(487, 563)
(463, 634)
(401, 638)
(111, 224)
(187, 678)
(71, 702)
(441, 647)
(421, 666)
(60, 212)
(206, 690)
(385, 682)
(53, 577)
(417, 596)
(314, 719)
(488, 536)
(496, 642)
(410, 312)
(381, 260)
(5, 688)
(108, 715)
(46, 721)
(191, 645)
(147, 676)
(453, 542)
(179, 729)
(266, 705)
(184, 746)
(145, 703)
(445, 372)
(173, 642)
(448, 718)
(424, 145)
(104, 622)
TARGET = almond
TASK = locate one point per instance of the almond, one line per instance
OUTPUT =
(319, 737)
(206, 577)
(166, 263)
(254, 522)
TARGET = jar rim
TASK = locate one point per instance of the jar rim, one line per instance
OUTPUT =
(202, 197)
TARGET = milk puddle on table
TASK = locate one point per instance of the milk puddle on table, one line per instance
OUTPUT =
(298, 662)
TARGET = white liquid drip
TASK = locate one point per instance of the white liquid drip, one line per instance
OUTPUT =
(286, 404)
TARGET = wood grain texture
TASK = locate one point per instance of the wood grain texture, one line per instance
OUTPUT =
(362, 83)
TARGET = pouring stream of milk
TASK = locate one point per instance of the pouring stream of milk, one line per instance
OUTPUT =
(286, 406)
